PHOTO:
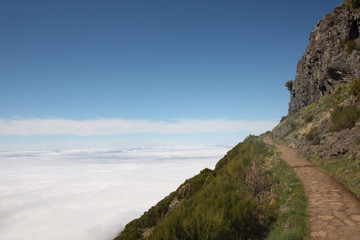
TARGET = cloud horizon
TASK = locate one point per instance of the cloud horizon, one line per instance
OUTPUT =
(116, 126)
(90, 194)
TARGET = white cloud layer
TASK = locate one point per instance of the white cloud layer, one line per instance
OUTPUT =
(90, 194)
(28, 127)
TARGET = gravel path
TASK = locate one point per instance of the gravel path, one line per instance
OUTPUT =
(334, 211)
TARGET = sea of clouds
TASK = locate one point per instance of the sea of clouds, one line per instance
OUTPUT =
(90, 194)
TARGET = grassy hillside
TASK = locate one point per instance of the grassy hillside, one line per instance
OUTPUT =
(328, 133)
(251, 194)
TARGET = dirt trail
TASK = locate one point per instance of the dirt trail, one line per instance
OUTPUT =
(334, 211)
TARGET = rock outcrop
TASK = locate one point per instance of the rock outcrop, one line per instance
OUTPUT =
(332, 58)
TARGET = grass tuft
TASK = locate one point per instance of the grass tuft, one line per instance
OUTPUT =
(313, 136)
(355, 88)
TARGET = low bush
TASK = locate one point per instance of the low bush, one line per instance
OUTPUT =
(283, 118)
(352, 45)
(308, 118)
(349, 45)
(344, 117)
(313, 136)
(293, 126)
(289, 85)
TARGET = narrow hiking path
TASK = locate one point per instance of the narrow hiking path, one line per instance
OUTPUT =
(334, 211)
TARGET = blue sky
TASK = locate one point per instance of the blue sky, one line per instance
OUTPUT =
(206, 67)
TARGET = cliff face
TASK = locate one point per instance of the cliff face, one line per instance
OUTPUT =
(332, 58)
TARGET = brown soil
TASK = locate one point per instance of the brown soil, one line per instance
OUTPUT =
(334, 211)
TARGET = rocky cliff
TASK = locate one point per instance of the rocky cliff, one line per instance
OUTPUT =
(332, 58)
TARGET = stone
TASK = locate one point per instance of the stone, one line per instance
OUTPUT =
(184, 190)
(340, 214)
(356, 218)
(283, 209)
(326, 218)
(349, 223)
(318, 234)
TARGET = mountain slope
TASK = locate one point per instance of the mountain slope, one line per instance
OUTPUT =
(251, 194)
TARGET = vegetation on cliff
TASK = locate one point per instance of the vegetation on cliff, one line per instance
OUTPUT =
(251, 194)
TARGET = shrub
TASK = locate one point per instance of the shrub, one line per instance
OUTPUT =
(352, 3)
(293, 126)
(289, 84)
(344, 117)
(308, 118)
(355, 88)
(352, 45)
(349, 45)
(313, 136)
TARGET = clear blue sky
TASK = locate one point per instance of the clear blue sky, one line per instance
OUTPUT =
(158, 61)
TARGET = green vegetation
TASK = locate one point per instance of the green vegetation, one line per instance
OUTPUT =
(308, 118)
(352, 45)
(355, 88)
(289, 85)
(293, 126)
(349, 45)
(313, 136)
(352, 3)
(251, 194)
(292, 221)
(344, 117)
(283, 118)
